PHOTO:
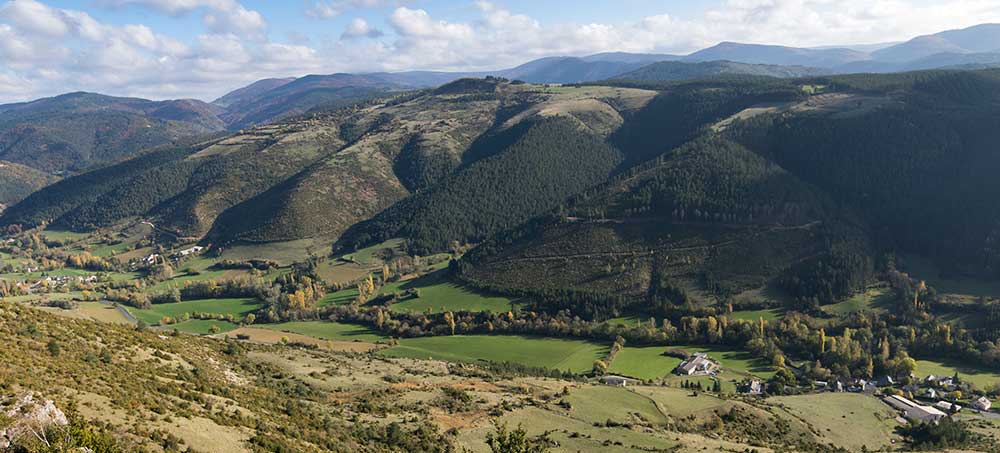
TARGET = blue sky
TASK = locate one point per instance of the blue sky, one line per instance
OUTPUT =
(204, 48)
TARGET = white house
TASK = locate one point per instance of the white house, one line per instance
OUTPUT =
(982, 404)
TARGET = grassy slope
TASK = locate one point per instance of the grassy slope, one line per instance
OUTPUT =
(571, 355)
(980, 377)
(326, 330)
(850, 420)
(438, 293)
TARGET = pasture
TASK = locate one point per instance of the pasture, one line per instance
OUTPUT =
(981, 378)
(566, 355)
(342, 297)
(649, 362)
(327, 330)
(597, 404)
(438, 294)
(849, 420)
(871, 299)
(237, 307)
(771, 314)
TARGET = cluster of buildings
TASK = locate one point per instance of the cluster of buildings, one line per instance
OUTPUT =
(697, 365)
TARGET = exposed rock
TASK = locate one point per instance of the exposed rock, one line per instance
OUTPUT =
(28, 418)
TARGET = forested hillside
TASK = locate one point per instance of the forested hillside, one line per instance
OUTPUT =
(805, 194)
(78, 131)
(18, 181)
(675, 70)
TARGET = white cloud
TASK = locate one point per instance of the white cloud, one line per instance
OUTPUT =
(329, 9)
(220, 16)
(46, 50)
(359, 28)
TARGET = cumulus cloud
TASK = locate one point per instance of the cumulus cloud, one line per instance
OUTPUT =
(46, 50)
(329, 9)
(220, 16)
(359, 28)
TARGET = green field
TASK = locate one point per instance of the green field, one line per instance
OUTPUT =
(924, 269)
(572, 355)
(979, 377)
(438, 294)
(871, 299)
(772, 314)
(327, 330)
(366, 256)
(203, 326)
(650, 363)
(64, 236)
(342, 297)
(598, 404)
(238, 307)
(680, 402)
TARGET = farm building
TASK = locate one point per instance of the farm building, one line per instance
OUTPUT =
(616, 381)
(751, 387)
(947, 407)
(982, 404)
(914, 411)
(698, 364)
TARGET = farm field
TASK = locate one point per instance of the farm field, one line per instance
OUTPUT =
(567, 355)
(981, 378)
(950, 285)
(850, 420)
(341, 272)
(326, 330)
(236, 307)
(871, 299)
(650, 363)
(438, 294)
(342, 297)
(284, 253)
(366, 256)
(771, 314)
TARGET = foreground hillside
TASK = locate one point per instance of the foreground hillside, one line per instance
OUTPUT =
(123, 389)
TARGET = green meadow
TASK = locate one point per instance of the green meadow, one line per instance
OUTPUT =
(237, 307)
(772, 314)
(979, 377)
(437, 294)
(871, 299)
(649, 362)
(567, 355)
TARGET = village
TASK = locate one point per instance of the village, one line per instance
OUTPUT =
(926, 400)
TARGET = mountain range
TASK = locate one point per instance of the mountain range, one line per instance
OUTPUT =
(76, 132)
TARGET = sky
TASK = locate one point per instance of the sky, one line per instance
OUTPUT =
(168, 49)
